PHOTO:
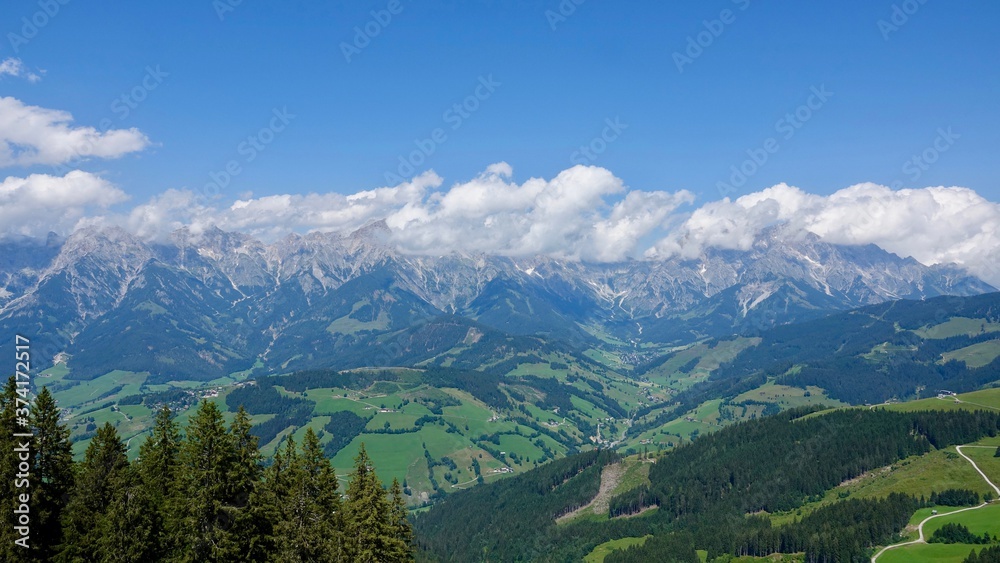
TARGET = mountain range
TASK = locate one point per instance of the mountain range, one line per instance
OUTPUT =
(202, 305)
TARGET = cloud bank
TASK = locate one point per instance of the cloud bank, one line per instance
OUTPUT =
(32, 135)
(40, 203)
(583, 213)
(935, 225)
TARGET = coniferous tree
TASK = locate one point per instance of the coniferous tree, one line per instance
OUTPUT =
(402, 531)
(954, 532)
(987, 555)
(52, 474)
(322, 487)
(269, 502)
(130, 530)
(93, 489)
(367, 527)
(158, 455)
(268, 496)
(203, 498)
(246, 469)
(157, 469)
(249, 539)
(204, 514)
(311, 526)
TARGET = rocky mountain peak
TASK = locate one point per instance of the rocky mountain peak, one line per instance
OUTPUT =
(298, 279)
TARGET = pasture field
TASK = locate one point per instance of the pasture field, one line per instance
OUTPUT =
(985, 520)
(985, 399)
(75, 394)
(957, 326)
(917, 476)
(603, 550)
(928, 553)
(787, 397)
(976, 355)
(984, 458)
(349, 325)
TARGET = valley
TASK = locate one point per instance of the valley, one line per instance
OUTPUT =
(920, 476)
(441, 429)
(453, 393)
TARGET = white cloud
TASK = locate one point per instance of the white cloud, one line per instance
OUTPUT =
(582, 213)
(35, 135)
(40, 203)
(569, 216)
(12, 67)
(632, 219)
(15, 67)
(273, 216)
(165, 213)
(936, 225)
(732, 224)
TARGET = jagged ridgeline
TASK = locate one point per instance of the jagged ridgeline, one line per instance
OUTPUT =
(202, 306)
(703, 495)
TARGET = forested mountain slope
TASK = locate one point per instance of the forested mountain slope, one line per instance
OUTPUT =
(707, 489)
(894, 351)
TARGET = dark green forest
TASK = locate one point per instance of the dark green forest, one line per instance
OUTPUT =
(987, 555)
(835, 353)
(705, 490)
(957, 533)
(666, 548)
(201, 496)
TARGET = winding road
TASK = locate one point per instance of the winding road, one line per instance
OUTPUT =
(920, 528)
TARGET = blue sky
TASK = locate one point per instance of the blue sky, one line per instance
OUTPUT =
(892, 90)
(700, 124)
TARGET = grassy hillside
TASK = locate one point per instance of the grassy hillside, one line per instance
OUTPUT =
(920, 475)
(721, 487)
(899, 350)
(886, 353)
(614, 393)
(437, 434)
